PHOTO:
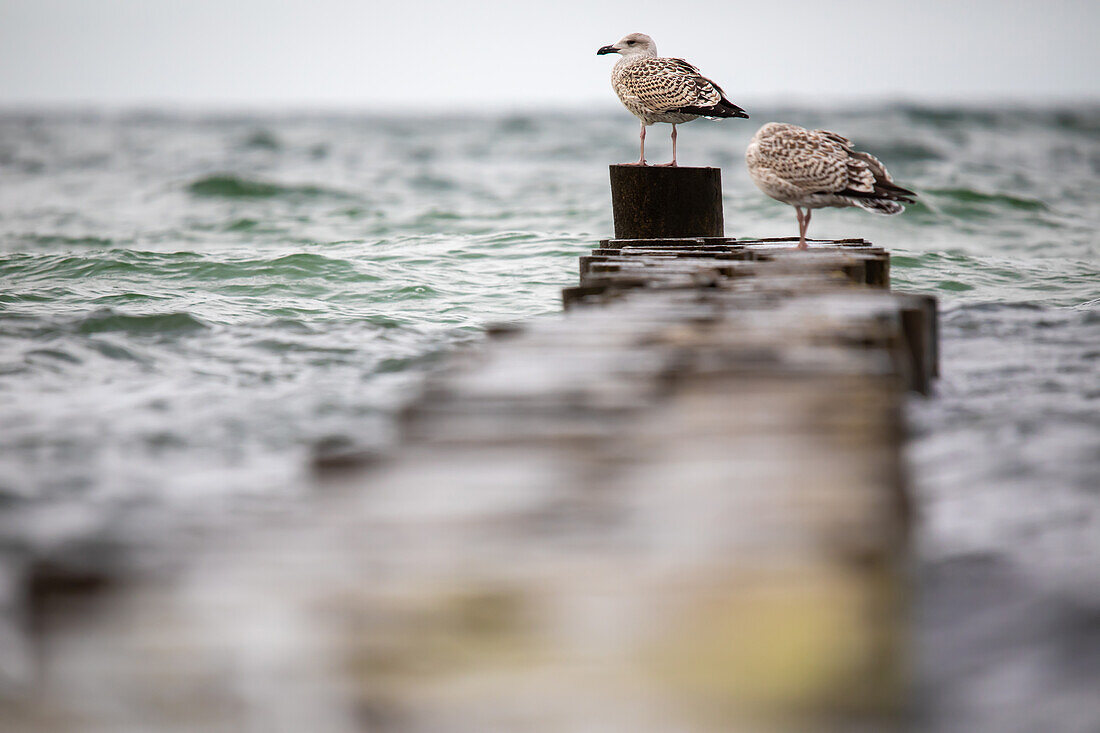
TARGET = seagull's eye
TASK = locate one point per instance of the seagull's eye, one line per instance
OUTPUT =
(631, 43)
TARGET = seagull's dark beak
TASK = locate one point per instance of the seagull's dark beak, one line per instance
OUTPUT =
(606, 49)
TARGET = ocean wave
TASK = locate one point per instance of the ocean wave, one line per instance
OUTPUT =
(227, 185)
(297, 266)
(907, 151)
(69, 266)
(137, 265)
(261, 140)
(1078, 120)
(241, 225)
(109, 319)
(954, 116)
(972, 196)
(960, 274)
(60, 240)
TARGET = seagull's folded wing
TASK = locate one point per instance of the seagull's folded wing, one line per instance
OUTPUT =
(812, 162)
(663, 84)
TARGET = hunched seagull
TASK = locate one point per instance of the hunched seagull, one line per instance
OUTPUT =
(657, 89)
(813, 169)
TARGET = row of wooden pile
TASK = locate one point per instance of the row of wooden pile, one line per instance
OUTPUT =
(679, 506)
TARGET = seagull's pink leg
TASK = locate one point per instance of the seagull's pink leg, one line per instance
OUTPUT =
(641, 155)
(673, 163)
(803, 225)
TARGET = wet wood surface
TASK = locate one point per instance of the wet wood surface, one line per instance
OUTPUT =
(679, 506)
(655, 201)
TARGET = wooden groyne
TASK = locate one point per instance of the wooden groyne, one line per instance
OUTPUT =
(767, 269)
(679, 506)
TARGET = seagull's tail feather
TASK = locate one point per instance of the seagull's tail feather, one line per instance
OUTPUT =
(885, 196)
(885, 199)
(879, 206)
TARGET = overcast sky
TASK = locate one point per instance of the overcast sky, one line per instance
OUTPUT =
(439, 56)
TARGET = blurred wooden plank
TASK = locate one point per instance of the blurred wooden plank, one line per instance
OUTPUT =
(679, 506)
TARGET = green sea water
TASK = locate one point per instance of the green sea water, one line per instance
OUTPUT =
(190, 305)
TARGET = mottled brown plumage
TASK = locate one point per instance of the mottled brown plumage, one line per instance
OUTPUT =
(813, 169)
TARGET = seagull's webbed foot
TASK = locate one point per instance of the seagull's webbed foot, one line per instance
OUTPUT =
(670, 164)
(637, 162)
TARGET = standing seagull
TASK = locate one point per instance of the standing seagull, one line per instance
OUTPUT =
(817, 168)
(657, 89)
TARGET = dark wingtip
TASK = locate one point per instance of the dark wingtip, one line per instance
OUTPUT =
(897, 190)
(721, 110)
(737, 111)
(883, 192)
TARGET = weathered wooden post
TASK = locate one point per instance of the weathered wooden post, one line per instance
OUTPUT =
(653, 202)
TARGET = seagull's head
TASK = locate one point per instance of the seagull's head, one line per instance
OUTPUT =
(636, 44)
